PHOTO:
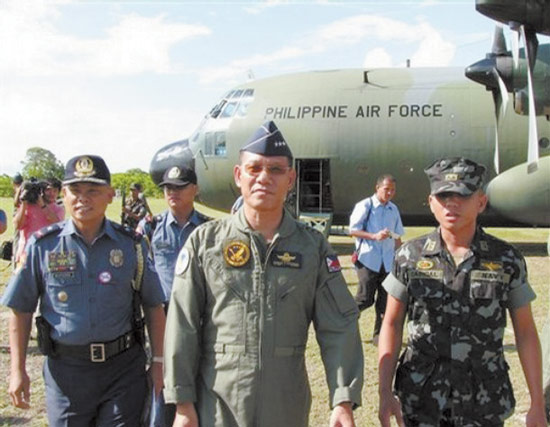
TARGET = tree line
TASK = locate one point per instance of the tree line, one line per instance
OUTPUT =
(40, 163)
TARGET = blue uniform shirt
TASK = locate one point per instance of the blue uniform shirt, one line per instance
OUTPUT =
(166, 241)
(373, 254)
(85, 292)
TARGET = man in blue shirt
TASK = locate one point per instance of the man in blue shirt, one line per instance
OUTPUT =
(376, 225)
(88, 274)
(167, 234)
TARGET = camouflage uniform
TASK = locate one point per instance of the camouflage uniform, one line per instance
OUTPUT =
(453, 367)
(138, 207)
(238, 325)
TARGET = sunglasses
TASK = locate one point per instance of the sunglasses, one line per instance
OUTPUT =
(255, 169)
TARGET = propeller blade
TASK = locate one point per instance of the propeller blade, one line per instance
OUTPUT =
(532, 145)
(515, 48)
(501, 98)
(499, 42)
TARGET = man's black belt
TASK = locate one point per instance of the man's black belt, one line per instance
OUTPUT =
(97, 351)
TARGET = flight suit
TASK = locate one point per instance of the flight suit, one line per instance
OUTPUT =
(85, 294)
(238, 325)
(453, 367)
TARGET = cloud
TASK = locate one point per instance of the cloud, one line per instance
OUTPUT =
(33, 45)
(420, 42)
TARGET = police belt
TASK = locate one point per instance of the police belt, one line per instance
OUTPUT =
(97, 351)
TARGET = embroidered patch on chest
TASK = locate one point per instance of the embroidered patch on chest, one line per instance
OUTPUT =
(286, 259)
(236, 253)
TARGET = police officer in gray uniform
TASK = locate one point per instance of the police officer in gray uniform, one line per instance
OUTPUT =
(246, 289)
(88, 274)
(456, 285)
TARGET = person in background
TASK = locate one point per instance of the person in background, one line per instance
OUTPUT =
(3, 221)
(246, 289)
(455, 285)
(16, 182)
(167, 234)
(376, 225)
(35, 211)
(135, 207)
(91, 278)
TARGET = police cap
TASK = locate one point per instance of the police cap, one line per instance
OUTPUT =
(178, 176)
(87, 168)
(455, 175)
(268, 141)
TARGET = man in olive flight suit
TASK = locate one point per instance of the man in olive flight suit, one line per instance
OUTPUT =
(456, 286)
(246, 289)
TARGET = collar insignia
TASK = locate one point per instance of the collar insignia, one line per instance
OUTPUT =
(236, 253)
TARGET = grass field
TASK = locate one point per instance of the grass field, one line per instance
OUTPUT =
(531, 241)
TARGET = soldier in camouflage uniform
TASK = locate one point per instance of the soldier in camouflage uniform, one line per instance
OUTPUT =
(246, 289)
(455, 285)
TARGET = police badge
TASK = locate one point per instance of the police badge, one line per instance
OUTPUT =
(116, 258)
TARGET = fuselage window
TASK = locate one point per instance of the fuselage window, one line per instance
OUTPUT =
(220, 149)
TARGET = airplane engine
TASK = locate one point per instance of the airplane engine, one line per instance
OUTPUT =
(523, 196)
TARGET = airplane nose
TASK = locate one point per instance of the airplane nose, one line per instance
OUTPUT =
(175, 154)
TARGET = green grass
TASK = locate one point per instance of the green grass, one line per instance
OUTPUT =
(531, 241)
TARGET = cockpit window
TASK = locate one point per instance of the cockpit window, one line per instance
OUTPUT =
(234, 103)
(214, 144)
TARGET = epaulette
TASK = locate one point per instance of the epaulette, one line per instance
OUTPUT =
(47, 230)
(128, 231)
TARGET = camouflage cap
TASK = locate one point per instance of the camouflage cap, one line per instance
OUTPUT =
(268, 141)
(87, 168)
(455, 175)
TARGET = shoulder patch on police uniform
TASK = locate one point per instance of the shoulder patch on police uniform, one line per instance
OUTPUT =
(182, 262)
(286, 259)
(236, 253)
(333, 264)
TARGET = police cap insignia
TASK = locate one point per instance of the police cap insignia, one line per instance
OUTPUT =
(179, 176)
(182, 262)
(236, 253)
(87, 168)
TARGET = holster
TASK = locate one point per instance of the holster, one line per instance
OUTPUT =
(45, 342)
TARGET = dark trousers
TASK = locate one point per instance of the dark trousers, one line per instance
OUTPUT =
(83, 394)
(370, 285)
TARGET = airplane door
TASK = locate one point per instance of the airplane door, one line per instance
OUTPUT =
(313, 198)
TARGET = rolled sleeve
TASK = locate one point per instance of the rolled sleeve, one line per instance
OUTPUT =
(395, 288)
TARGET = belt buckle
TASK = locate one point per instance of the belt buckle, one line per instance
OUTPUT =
(97, 352)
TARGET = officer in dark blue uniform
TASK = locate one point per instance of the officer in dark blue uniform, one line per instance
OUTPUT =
(90, 276)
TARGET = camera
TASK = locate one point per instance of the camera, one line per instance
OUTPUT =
(31, 191)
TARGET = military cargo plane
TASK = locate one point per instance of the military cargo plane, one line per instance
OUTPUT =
(346, 127)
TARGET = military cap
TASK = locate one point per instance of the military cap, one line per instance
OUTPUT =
(135, 186)
(455, 175)
(268, 141)
(179, 176)
(87, 168)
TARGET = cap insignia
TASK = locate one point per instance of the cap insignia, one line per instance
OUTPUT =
(174, 172)
(451, 177)
(84, 167)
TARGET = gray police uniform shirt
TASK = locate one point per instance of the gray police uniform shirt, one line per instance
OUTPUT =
(85, 292)
(238, 324)
(166, 239)
(456, 320)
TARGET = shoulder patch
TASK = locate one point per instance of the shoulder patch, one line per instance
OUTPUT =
(333, 264)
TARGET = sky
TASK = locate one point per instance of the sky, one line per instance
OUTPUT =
(121, 79)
